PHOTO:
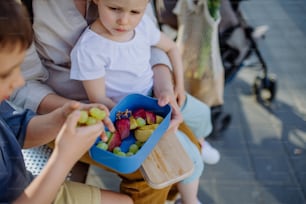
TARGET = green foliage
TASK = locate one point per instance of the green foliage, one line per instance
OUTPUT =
(214, 7)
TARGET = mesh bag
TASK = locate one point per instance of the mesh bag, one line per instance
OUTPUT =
(198, 41)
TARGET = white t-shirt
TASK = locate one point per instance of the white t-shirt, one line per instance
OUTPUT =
(125, 65)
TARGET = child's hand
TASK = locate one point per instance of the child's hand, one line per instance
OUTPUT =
(107, 121)
(176, 117)
(74, 105)
(73, 141)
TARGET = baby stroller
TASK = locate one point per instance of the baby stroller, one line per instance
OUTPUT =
(238, 41)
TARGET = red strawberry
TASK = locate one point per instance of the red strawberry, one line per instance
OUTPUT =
(150, 117)
(114, 141)
(139, 113)
(123, 127)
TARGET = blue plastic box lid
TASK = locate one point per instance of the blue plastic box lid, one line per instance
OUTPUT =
(130, 164)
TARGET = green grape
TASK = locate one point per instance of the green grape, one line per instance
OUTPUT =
(102, 145)
(116, 150)
(83, 117)
(97, 113)
(133, 148)
(139, 143)
(140, 122)
(91, 121)
(128, 154)
(108, 134)
(122, 154)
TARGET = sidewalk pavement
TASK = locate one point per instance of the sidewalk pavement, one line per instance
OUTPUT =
(264, 150)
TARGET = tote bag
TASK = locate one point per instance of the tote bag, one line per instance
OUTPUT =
(198, 41)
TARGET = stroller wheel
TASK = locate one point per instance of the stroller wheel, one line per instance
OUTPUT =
(265, 88)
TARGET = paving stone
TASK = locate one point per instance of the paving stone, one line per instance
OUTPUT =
(301, 176)
(231, 167)
(276, 194)
(299, 163)
(237, 193)
(273, 170)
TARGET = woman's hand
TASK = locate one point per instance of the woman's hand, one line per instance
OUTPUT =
(164, 92)
(180, 95)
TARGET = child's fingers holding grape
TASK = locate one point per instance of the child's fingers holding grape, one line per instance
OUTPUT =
(69, 108)
(80, 138)
(92, 113)
(99, 106)
(102, 114)
(103, 137)
(109, 124)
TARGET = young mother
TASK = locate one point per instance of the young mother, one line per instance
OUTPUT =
(57, 25)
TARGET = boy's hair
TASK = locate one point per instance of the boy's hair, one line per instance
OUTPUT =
(15, 25)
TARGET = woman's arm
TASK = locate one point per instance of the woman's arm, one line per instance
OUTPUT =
(42, 129)
(51, 102)
(163, 91)
(169, 46)
(35, 90)
(163, 84)
(158, 57)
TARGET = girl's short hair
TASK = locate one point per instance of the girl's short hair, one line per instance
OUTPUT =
(15, 25)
